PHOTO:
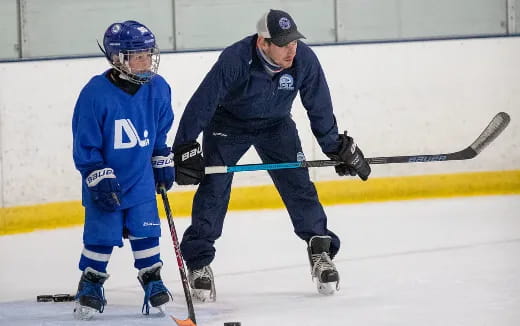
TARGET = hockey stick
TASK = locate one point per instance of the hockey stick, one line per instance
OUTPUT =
(191, 312)
(494, 128)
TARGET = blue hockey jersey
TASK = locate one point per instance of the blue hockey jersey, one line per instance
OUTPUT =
(238, 90)
(112, 128)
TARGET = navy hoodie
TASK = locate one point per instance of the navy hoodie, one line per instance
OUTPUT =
(239, 91)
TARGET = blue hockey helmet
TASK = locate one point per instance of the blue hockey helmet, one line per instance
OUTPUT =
(129, 39)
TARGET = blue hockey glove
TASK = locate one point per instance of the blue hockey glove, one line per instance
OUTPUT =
(163, 170)
(104, 189)
(353, 158)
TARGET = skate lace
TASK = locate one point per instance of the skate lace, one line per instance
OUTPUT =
(322, 262)
(94, 290)
(152, 289)
(205, 272)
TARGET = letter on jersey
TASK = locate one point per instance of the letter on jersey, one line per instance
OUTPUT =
(126, 126)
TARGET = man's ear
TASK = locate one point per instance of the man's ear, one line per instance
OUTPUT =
(261, 42)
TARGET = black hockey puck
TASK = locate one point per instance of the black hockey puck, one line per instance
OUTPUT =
(232, 323)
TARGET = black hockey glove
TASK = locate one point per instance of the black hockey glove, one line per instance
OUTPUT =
(189, 164)
(104, 189)
(351, 155)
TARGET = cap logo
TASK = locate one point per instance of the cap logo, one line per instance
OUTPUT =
(115, 29)
(284, 23)
(142, 29)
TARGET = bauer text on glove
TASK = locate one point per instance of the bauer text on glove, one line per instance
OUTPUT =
(163, 170)
(104, 189)
(189, 164)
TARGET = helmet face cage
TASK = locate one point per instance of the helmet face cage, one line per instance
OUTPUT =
(122, 63)
(131, 49)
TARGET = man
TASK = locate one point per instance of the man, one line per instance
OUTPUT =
(119, 131)
(245, 100)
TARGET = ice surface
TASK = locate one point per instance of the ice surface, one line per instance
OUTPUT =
(425, 262)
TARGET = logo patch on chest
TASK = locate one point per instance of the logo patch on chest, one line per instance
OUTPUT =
(286, 82)
(126, 135)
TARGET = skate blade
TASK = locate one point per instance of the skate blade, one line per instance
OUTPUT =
(83, 313)
(202, 295)
(162, 309)
(325, 288)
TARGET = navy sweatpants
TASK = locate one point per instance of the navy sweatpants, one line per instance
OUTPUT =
(224, 144)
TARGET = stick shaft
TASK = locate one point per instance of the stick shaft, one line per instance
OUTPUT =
(180, 261)
(490, 133)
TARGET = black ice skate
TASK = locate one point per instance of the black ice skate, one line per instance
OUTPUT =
(323, 269)
(202, 284)
(90, 297)
(155, 293)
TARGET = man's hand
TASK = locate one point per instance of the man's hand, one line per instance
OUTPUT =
(189, 164)
(351, 155)
(104, 189)
(163, 170)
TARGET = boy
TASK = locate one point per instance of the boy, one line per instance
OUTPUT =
(119, 131)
